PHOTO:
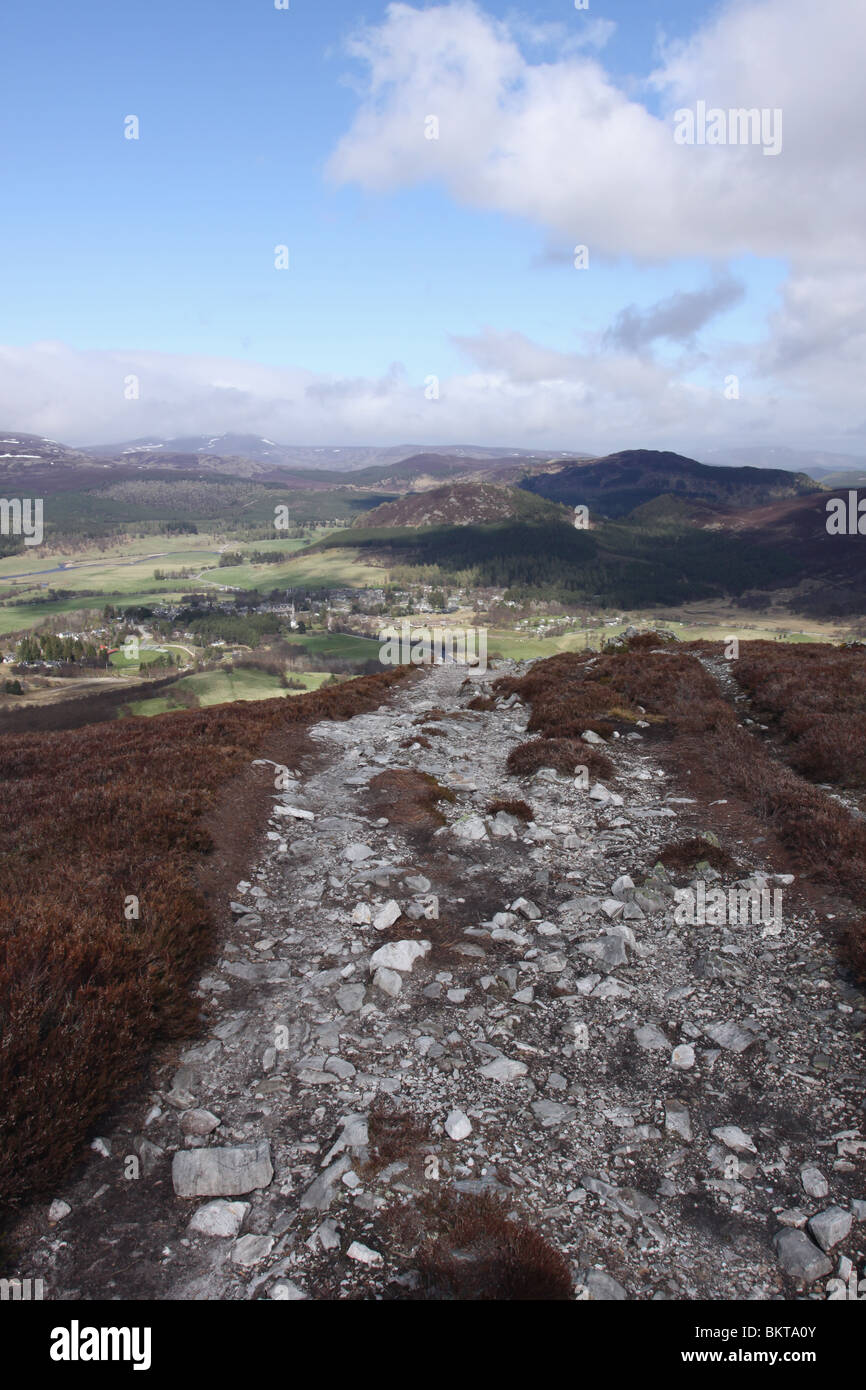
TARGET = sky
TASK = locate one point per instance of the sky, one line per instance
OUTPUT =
(430, 170)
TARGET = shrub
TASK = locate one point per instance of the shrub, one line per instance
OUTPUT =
(562, 754)
(480, 1253)
(520, 809)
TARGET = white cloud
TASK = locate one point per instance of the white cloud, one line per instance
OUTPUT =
(513, 391)
(555, 140)
(559, 143)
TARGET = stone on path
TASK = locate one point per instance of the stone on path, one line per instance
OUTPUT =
(800, 1257)
(221, 1172)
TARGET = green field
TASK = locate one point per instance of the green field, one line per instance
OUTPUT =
(225, 687)
(519, 647)
(342, 645)
(322, 570)
(123, 575)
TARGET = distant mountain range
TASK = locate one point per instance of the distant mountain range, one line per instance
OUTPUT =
(692, 528)
(334, 459)
(395, 467)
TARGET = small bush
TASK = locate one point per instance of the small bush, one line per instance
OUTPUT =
(684, 854)
(562, 754)
(409, 799)
(520, 809)
(480, 1254)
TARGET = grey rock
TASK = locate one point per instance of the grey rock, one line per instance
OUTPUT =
(814, 1183)
(319, 1194)
(390, 982)
(608, 952)
(251, 1250)
(830, 1226)
(602, 1287)
(221, 1172)
(265, 972)
(355, 853)
(285, 1291)
(458, 1126)
(677, 1119)
(219, 1219)
(504, 1069)
(364, 1255)
(552, 1112)
(198, 1122)
(800, 1257)
(730, 1036)
(683, 1057)
(399, 955)
(351, 998)
(735, 1139)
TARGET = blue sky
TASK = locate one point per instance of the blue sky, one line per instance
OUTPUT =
(166, 244)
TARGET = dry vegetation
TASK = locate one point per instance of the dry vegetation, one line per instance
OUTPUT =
(563, 754)
(477, 1251)
(89, 818)
(702, 738)
(408, 799)
(816, 697)
(520, 809)
(396, 1135)
(682, 856)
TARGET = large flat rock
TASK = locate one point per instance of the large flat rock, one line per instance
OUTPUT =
(222, 1172)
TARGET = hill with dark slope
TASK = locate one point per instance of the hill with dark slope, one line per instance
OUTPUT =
(618, 483)
(463, 504)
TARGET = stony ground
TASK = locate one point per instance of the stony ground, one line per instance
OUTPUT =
(513, 1006)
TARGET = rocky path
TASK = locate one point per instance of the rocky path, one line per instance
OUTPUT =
(677, 1108)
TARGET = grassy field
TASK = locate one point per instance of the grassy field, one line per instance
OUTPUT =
(227, 687)
(147, 655)
(25, 616)
(342, 645)
(690, 626)
(123, 568)
(323, 569)
(123, 575)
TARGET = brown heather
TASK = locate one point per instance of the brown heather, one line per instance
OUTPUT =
(89, 817)
(479, 1252)
(816, 697)
(563, 754)
(702, 736)
(519, 809)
